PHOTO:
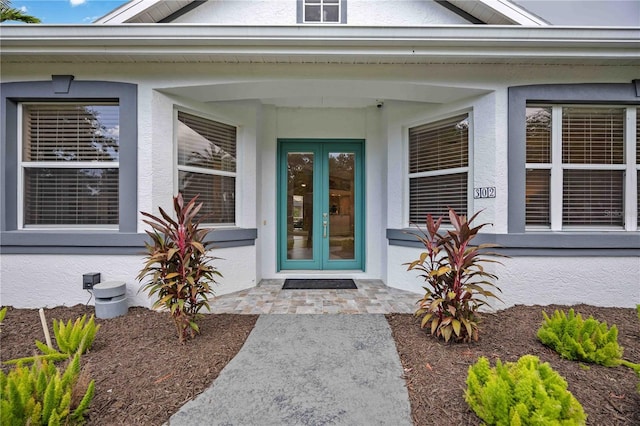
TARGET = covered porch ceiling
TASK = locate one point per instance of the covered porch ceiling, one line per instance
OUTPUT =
(324, 93)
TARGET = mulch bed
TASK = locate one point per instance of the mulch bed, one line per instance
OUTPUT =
(143, 375)
(436, 371)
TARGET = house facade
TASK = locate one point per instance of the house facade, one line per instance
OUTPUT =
(317, 133)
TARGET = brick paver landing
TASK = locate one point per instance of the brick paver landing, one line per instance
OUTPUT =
(371, 297)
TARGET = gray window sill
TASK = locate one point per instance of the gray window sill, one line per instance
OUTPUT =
(611, 244)
(104, 242)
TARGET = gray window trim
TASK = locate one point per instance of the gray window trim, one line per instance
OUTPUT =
(300, 12)
(601, 244)
(45, 91)
(600, 93)
(28, 242)
(125, 240)
(546, 243)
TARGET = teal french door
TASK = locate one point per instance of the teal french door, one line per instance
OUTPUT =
(320, 204)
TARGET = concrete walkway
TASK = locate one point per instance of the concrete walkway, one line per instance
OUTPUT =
(308, 370)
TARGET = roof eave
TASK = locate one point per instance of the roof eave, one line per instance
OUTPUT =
(445, 41)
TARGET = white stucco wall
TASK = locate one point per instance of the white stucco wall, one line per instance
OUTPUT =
(34, 281)
(533, 280)
(284, 12)
(245, 94)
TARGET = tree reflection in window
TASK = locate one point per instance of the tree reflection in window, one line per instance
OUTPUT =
(55, 193)
(207, 166)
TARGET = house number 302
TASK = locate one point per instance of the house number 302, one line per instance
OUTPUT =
(485, 192)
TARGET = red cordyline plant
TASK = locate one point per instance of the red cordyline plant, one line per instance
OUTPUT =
(456, 280)
(178, 266)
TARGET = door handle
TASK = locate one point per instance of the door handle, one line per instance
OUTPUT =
(324, 225)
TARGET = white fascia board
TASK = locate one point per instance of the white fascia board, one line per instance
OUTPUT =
(445, 41)
(127, 11)
(514, 12)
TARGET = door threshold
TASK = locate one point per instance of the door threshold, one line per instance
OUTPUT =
(353, 274)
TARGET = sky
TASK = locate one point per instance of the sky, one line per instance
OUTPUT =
(67, 11)
(558, 12)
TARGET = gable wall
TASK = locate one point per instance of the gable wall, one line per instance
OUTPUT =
(284, 12)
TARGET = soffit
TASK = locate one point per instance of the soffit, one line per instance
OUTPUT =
(143, 11)
(498, 12)
(159, 11)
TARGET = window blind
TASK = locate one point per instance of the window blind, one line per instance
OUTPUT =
(537, 197)
(440, 145)
(54, 191)
(71, 196)
(70, 132)
(438, 159)
(637, 136)
(435, 195)
(593, 135)
(538, 134)
(206, 143)
(593, 197)
(216, 193)
(207, 166)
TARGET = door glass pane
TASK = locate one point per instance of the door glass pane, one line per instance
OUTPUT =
(300, 205)
(341, 205)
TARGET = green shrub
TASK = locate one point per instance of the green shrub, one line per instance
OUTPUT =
(178, 267)
(523, 393)
(3, 313)
(456, 279)
(77, 336)
(71, 338)
(43, 395)
(581, 340)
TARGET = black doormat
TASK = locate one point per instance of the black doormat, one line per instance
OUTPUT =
(315, 284)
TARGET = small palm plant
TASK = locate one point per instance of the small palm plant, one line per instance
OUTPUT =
(456, 280)
(178, 266)
(9, 13)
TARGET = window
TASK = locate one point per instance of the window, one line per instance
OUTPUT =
(577, 160)
(438, 168)
(207, 166)
(69, 164)
(322, 11)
